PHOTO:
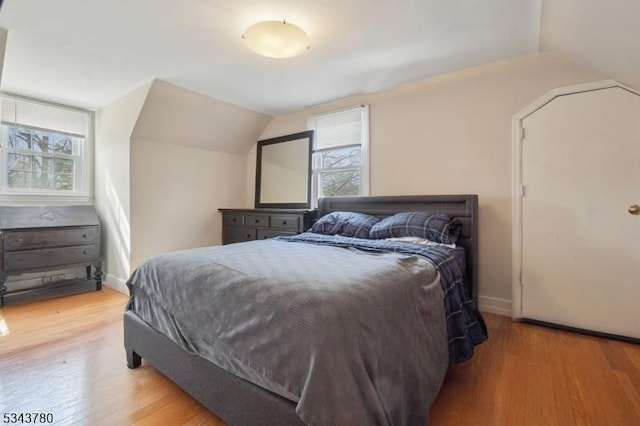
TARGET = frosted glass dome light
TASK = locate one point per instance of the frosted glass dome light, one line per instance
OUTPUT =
(276, 39)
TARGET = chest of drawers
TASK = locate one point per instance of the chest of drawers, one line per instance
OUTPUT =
(40, 239)
(257, 224)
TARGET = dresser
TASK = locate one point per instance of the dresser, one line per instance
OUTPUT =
(240, 225)
(41, 239)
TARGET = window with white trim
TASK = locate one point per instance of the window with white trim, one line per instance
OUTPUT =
(340, 153)
(44, 149)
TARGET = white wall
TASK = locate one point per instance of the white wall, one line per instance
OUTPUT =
(114, 125)
(452, 134)
(600, 35)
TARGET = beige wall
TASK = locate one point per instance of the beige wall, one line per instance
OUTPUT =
(188, 159)
(176, 193)
(452, 134)
(114, 125)
(166, 160)
(601, 35)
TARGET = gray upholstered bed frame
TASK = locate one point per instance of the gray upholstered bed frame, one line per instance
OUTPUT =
(240, 402)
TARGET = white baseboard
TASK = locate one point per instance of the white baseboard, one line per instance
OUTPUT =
(494, 305)
(115, 283)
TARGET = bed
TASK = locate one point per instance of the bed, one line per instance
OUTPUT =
(329, 351)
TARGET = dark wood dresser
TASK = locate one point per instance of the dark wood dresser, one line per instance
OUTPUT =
(40, 239)
(240, 225)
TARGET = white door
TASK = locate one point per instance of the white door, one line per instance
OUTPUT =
(580, 243)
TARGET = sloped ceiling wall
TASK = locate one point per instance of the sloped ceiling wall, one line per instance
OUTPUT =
(600, 35)
(175, 115)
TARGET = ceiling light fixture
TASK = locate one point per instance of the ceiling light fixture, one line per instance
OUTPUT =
(276, 39)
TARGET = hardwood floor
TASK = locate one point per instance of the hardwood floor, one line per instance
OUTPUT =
(65, 356)
(531, 375)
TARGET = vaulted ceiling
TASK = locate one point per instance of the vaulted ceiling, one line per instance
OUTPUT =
(90, 53)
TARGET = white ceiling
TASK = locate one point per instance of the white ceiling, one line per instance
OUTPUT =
(89, 53)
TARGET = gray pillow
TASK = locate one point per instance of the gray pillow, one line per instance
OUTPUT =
(348, 224)
(436, 227)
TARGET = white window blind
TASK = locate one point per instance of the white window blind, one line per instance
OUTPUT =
(337, 129)
(340, 159)
(30, 114)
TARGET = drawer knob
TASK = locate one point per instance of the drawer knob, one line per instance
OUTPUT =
(84, 235)
(248, 235)
(284, 222)
(233, 220)
(257, 220)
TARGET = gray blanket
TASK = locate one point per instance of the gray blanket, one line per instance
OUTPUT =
(354, 338)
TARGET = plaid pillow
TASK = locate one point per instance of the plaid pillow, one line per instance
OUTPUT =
(436, 227)
(348, 224)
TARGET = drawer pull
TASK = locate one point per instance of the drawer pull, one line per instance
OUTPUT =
(257, 220)
(249, 235)
(84, 235)
(233, 220)
(284, 222)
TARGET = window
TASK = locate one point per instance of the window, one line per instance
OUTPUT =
(340, 153)
(44, 149)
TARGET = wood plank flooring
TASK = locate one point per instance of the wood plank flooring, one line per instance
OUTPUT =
(65, 356)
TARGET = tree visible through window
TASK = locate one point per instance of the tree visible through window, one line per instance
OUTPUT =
(40, 159)
(43, 149)
(340, 172)
(340, 147)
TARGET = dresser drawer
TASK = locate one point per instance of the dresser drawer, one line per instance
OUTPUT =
(259, 221)
(233, 219)
(285, 222)
(263, 234)
(238, 235)
(17, 240)
(43, 258)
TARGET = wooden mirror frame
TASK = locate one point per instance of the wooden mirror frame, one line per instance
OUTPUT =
(306, 204)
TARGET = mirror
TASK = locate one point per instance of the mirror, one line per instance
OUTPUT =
(283, 172)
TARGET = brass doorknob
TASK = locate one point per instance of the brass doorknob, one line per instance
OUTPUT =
(634, 209)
